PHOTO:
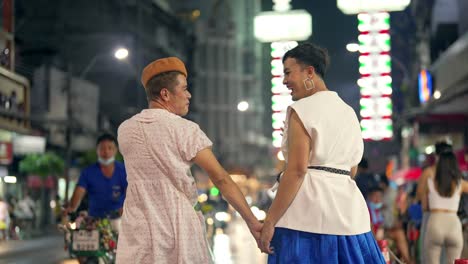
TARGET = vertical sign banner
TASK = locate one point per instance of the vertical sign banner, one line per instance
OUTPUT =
(376, 82)
(282, 28)
(281, 97)
(424, 86)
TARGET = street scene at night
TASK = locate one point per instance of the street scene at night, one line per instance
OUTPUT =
(234, 132)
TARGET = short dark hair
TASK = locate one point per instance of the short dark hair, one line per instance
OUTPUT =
(309, 54)
(363, 164)
(157, 83)
(374, 189)
(106, 137)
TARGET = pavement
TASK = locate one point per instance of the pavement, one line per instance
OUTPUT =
(47, 249)
(235, 246)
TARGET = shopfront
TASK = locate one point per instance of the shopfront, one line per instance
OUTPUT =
(444, 114)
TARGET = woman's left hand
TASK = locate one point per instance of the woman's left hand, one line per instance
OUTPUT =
(265, 238)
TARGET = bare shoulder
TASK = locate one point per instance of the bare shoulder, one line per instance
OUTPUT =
(428, 173)
(464, 186)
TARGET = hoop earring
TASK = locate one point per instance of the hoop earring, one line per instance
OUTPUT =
(311, 84)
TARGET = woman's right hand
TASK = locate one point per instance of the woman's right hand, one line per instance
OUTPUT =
(266, 236)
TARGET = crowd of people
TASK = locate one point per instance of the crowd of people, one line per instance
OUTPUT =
(423, 219)
(323, 196)
(16, 216)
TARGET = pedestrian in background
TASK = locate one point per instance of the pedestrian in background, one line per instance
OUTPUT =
(421, 196)
(4, 219)
(443, 191)
(318, 215)
(393, 225)
(105, 183)
(365, 180)
(25, 213)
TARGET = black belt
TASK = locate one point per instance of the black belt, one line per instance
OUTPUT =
(327, 169)
(332, 170)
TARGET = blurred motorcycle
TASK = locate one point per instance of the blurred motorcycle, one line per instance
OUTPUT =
(91, 240)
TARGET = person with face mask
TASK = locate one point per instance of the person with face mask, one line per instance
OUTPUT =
(105, 182)
(318, 214)
(375, 203)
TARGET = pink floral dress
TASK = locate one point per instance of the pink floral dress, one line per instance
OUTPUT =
(159, 223)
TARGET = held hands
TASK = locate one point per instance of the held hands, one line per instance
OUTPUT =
(265, 238)
(66, 210)
(255, 229)
(263, 234)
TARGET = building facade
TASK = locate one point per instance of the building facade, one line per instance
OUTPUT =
(227, 94)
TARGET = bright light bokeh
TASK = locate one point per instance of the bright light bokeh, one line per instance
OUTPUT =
(429, 149)
(351, 7)
(202, 198)
(259, 214)
(121, 53)
(9, 179)
(242, 106)
(280, 155)
(274, 26)
(352, 47)
(223, 217)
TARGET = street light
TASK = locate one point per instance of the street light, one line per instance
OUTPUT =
(121, 53)
(242, 106)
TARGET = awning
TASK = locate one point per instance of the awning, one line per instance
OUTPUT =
(407, 175)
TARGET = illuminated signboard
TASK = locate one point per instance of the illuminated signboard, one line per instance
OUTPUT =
(286, 25)
(376, 82)
(351, 7)
(281, 96)
(282, 28)
(424, 86)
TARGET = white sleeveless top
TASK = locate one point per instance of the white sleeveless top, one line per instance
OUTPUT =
(436, 201)
(328, 203)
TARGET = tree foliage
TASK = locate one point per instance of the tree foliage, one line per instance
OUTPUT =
(42, 164)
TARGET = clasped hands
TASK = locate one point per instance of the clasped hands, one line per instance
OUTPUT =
(263, 234)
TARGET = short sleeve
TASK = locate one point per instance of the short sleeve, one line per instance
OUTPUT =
(299, 109)
(192, 140)
(124, 180)
(83, 181)
(359, 142)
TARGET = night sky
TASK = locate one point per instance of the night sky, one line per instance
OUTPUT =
(332, 29)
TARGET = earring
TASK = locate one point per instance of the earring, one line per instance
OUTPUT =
(309, 84)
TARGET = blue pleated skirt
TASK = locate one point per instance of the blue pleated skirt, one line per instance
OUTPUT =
(294, 247)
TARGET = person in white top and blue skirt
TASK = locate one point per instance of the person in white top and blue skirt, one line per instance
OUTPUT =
(318, 215)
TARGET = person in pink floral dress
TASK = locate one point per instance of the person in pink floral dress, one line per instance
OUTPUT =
(159, 222)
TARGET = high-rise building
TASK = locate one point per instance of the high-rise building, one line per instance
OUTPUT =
(227, 93)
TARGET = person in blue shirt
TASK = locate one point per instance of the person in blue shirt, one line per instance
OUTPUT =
(105, 182)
